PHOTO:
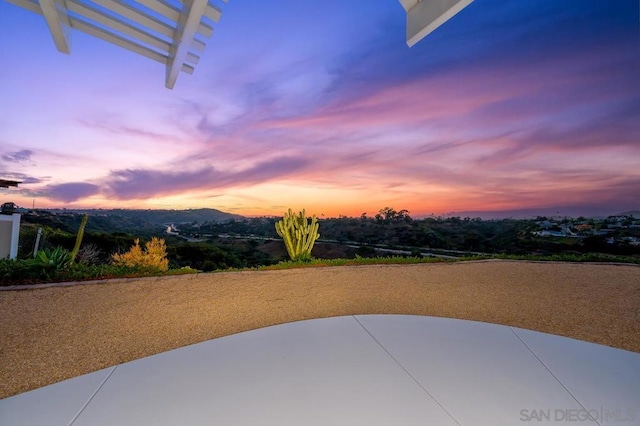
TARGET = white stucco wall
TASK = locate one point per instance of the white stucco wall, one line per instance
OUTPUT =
(9, 234)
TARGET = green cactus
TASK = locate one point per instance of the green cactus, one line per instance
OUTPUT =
(298, 234)
(74, 252)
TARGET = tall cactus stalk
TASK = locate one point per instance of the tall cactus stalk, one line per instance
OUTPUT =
(76, 248)
(298, 234)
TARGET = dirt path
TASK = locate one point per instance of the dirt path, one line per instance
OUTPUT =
(51, 334)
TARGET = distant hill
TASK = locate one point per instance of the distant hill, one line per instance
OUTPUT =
(123, 220)
(160, 217)
(591, 212)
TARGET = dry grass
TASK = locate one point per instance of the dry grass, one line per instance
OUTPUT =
(51, 334)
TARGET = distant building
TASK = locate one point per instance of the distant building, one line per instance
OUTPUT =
(545, 224)
(550, 234)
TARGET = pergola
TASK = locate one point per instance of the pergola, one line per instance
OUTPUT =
(7, 183)
(174, 32)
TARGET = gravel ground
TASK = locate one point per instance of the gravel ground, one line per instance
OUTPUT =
(51, 334)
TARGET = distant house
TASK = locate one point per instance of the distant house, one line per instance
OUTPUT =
(550, 234)
(634, 241)
(545, 224)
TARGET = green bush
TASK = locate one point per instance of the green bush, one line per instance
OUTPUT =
(16, 271)
(31, 271)
(83, 272)
(205, 257)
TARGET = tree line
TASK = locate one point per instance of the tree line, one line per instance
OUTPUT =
(248, 242)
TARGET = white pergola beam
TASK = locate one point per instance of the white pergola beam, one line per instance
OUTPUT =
(137, 16)
(56, 16)
(214, 13)
(163, 8)
(171, 12)
(424, 16)
(116, 39)
(30, 5)
(123, 42)
(129, 30)
(188, 23)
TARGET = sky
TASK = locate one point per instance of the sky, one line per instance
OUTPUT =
(514, 106)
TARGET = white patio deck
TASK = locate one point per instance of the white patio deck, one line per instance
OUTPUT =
(356, 370)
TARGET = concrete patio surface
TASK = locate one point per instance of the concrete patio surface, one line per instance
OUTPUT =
(353, 370)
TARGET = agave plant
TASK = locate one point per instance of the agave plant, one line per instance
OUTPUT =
(58, 258)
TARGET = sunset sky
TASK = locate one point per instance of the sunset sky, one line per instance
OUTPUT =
(520, 105)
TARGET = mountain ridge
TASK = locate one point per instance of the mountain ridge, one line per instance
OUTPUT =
(159, 216)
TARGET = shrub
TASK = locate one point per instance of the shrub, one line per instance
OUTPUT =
(17, 271)
(48, 265)
(89, 254)
(154, 256)
(82, 272)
